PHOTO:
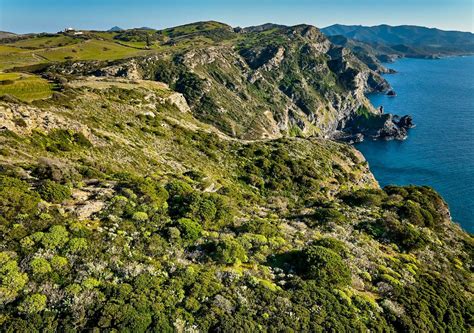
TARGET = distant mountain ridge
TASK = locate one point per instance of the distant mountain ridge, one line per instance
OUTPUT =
(405, 40)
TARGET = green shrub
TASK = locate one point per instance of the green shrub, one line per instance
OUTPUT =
(407, 236)
(53, 192)
(59, 263)
(411, 211)
(60, 140)
(57, 237)
(325, 215)
(33, 304)
(190, 230)
(325, 266)
(16, 198)
(261, 227)
(333, 244)
(140, 216)
(229, 251)
(364, 197)
(77, 245)
(12, 280)
(421, 206)
(40, 266)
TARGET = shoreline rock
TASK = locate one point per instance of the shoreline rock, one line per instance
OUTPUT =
(377, 127)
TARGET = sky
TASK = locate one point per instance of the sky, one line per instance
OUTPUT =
(22, 16)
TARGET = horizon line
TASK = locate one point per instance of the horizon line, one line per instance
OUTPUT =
(254, 25)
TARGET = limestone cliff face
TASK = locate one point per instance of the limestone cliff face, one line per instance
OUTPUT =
(261, 83)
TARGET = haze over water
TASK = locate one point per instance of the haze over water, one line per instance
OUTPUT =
(439, 152)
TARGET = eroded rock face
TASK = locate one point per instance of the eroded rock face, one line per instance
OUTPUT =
(265, 84)
(377, 127)
(23, 119)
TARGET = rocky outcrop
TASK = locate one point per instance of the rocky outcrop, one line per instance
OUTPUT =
(269, 82)
(377, 127)
(394, 129)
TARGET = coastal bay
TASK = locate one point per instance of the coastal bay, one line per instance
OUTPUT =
(439, 152)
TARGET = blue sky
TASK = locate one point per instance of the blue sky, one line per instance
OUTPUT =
(23, 16)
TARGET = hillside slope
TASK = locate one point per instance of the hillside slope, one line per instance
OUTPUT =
(250, 84)
(124, 206)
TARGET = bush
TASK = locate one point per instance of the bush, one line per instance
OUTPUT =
(55, 238)
(33, 304)
(407, 236)
(16, 198)
(229, 251)
(421, 206)
(77, 245)
(12, 280)
(261, 227)
(364, 197)
(53, 192)
(59, 263)
(325, 266)
(40, 266)
(325, 215)
(150, 192)
(190, 230)
(140, 216)
(333, 244)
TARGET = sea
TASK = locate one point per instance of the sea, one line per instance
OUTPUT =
(439, 151)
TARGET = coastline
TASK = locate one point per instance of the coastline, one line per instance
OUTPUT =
(437, 152)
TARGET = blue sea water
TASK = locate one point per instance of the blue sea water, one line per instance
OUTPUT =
(439, 152)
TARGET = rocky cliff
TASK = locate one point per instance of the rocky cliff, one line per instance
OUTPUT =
(261, 82)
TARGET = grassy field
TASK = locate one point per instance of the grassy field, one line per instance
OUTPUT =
(11, 56)
(24, 87)
(62, 48)
(45, 42)
(94, 45)
(89, 50)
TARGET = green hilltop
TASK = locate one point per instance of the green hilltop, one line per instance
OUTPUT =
(187, 180)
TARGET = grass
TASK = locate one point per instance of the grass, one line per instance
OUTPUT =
(45, 42)
(89, 50)
(24, 87)
(106, 35)
(6, 49)
(47, 49)
(11, 56)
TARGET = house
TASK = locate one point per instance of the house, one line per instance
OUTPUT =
(72, 31)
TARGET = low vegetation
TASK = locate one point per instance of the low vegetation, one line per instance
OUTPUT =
(122, 210)
(24, 87)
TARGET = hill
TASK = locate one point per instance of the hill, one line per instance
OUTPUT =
(251, 85)
(115, 29)
(5, 34)
(407, 40)
(128, 203)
